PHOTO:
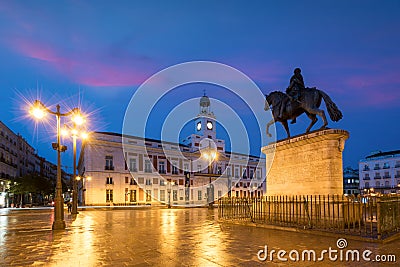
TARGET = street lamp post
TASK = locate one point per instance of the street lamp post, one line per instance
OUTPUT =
(77, 120)
(169, 194)
(170, 184)
(210, 155)
(74, 182)
(229, 185)
(38, 110)
(210, 191)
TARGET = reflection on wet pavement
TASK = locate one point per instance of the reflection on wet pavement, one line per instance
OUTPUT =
(152, 237)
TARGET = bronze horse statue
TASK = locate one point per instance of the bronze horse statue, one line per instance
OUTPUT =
(309, 103)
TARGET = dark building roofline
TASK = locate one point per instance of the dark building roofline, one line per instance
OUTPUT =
(171, 143)
(382, 154)
(241, 154)
(141, 138)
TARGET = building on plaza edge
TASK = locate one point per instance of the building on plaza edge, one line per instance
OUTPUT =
(351, 181)
(148, 171)
(380, 173)
(18, 159)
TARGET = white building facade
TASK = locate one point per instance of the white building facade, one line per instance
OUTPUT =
(380, 172)
(129, 170)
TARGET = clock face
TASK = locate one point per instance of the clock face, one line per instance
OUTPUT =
(198, 126)
(209, 125)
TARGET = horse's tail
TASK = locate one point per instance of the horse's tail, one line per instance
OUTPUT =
(333, 110)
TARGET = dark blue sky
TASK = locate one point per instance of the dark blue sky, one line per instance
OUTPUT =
(99, 52)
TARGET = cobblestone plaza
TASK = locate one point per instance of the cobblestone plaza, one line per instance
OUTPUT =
(156, 237)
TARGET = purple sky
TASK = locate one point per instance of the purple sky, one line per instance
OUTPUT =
(99, 52)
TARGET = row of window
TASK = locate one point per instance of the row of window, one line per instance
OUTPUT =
(351, 191)
(132, 166)
(131, 195)
(351, 181)
(386, 175)
(379, 184)
(385, 165)
(149, 181)
(162, 182)
(8, 138)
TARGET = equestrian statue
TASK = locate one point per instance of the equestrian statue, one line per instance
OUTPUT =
(298, 100)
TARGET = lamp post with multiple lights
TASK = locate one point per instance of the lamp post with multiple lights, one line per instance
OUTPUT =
(39, 111)
(77, 120)
(210, 154)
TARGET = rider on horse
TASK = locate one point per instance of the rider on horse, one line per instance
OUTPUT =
(293, 91)
(296, 83)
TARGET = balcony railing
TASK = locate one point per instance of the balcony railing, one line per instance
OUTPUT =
(147, 170)
(133, 170)
(162, 172)
(109, 168)
(397, 176)
(366, 169)
(386, 167)
(367, 178)
(175, 172)
(8, 162)
(377, 168)
(377, 177)
(397, 166)
(108, 182)
(386, 177)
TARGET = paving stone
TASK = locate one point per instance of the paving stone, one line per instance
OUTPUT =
(154, 237)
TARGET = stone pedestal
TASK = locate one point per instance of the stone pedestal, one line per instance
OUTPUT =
(309, 164)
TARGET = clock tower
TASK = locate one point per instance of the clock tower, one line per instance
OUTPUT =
(205, 121)
(204, 128)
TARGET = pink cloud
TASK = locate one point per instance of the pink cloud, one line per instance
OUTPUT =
(375, 89)
(84, 68)
(374, 80)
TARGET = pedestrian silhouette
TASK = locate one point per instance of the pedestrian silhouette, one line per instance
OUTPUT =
(69, 204)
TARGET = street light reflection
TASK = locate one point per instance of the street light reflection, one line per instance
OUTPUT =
(210, 246)
(3, 230)
(168, 231)
(82, 241)
(78, 247)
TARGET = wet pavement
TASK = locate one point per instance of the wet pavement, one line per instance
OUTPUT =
(163, 237)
